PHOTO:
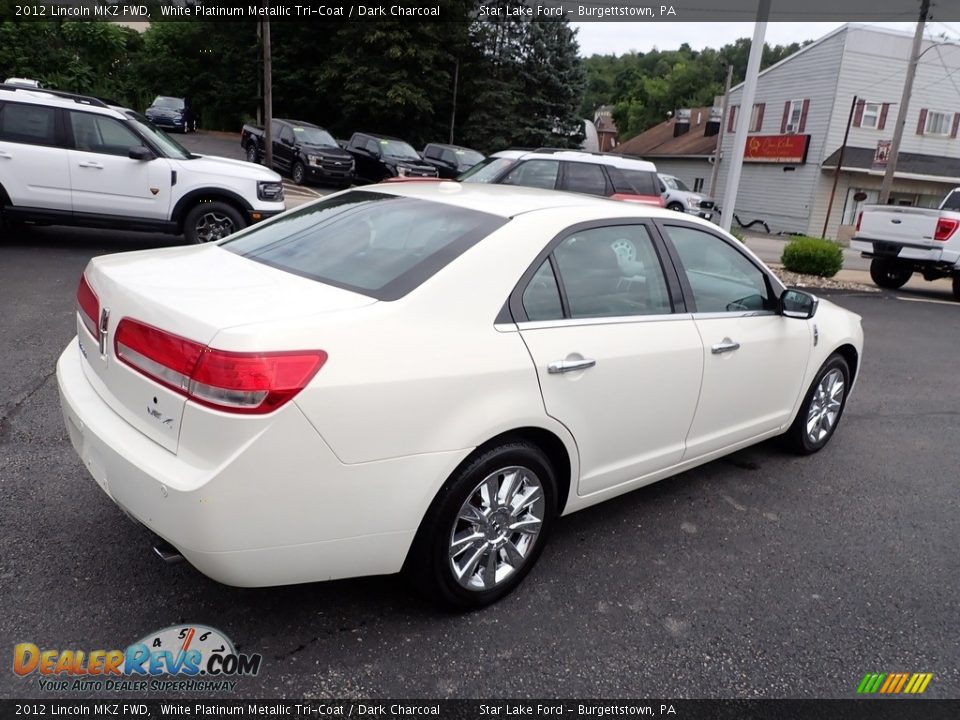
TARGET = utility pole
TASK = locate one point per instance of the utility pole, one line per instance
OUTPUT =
(746, 110)
(715, 172)
(904, 105)
(836, 173)
(260, 77)
(267, 95)
(456, 80)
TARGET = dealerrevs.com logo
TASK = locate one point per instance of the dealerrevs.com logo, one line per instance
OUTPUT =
(197, 657)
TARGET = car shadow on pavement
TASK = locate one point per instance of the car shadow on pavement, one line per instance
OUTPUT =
(94, 241)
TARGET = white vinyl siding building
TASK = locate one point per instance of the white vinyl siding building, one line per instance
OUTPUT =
(811, 93)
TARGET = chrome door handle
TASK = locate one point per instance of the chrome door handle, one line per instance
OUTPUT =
(6, 155)
(726, 346)
(90, 164)
(563, 366)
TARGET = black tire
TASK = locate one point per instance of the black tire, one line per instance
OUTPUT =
(212, 221)
(298, 173)
(429, 563)
(675, 206)
(797, 438)
(889, 274)
(956, 286)
(253, 154)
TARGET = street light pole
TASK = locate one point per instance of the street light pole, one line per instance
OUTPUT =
(904, 103)
(746, 110)
(718, 152)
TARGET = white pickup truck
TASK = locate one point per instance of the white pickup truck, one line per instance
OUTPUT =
(903, 240)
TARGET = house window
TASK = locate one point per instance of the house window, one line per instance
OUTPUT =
(794, 114)
(697, 184)
(938, 123)
(756, 118)
(871, 116)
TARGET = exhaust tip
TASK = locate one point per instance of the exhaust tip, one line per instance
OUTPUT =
(166, 552)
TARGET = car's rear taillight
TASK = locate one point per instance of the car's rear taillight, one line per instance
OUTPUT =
(250, 383)
(946, 227)
(859, 220)
(88, 306)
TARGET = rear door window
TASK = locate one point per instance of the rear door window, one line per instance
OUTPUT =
(28, 124)
(584, 178)
(377, 244)
(534, 173)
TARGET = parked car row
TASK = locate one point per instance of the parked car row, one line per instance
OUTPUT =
(307, 152)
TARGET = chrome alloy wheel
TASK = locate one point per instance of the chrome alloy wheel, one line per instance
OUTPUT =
(212, 226)
(825, 406)
(496, 528)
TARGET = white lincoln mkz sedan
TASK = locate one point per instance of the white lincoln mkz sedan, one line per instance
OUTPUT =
(425, 376)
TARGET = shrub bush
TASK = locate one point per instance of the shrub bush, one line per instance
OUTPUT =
(813, 256)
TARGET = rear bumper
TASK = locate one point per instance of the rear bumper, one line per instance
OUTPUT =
(281, 509)
(916, 253)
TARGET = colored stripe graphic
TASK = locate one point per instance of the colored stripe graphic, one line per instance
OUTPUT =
(894, 683)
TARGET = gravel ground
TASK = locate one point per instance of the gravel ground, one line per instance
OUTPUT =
(792, 279)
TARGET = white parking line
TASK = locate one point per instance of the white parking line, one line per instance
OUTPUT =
(924, 300)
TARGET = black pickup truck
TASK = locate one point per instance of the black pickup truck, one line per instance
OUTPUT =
(451, 160)
(302, 150)
(380, 157)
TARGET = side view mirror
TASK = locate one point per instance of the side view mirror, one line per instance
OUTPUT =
(139, 152)
(798, 304)
(287, 141)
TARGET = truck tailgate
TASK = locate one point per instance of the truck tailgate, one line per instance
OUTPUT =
(906, 225)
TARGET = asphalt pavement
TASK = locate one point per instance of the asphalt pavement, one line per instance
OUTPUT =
(760, 575)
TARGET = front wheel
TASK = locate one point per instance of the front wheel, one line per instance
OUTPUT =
(889, 274)
(212, 221)
(299, 173)
(820, 412)
(675, 206)
(487, 527)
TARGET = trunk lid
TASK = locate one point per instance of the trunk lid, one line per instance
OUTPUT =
(195, 293)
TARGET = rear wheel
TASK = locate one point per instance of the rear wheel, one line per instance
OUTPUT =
(253, 155)
(889, 274)
(212, 221)
(486, 528)
(298, 173)
(956, 286)
(822, 407)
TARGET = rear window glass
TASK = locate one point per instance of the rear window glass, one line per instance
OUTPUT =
(953, 201)
(380, 245)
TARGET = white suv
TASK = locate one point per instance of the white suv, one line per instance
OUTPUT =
(73, 160)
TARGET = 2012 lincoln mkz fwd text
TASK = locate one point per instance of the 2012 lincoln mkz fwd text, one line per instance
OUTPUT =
(424, 376)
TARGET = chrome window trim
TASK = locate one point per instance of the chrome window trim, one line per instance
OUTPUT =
(613, 320)
(734, 314)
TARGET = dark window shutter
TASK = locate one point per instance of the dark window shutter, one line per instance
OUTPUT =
(922, 122)
(760, 109)
(882, 122)
(786, 117)
(956, 125)
(732, 119)
(858, 113)
(803, 116)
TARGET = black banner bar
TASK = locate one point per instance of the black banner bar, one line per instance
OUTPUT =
(454, 10)
(866, 709)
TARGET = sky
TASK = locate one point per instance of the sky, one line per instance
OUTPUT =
(619, 38)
